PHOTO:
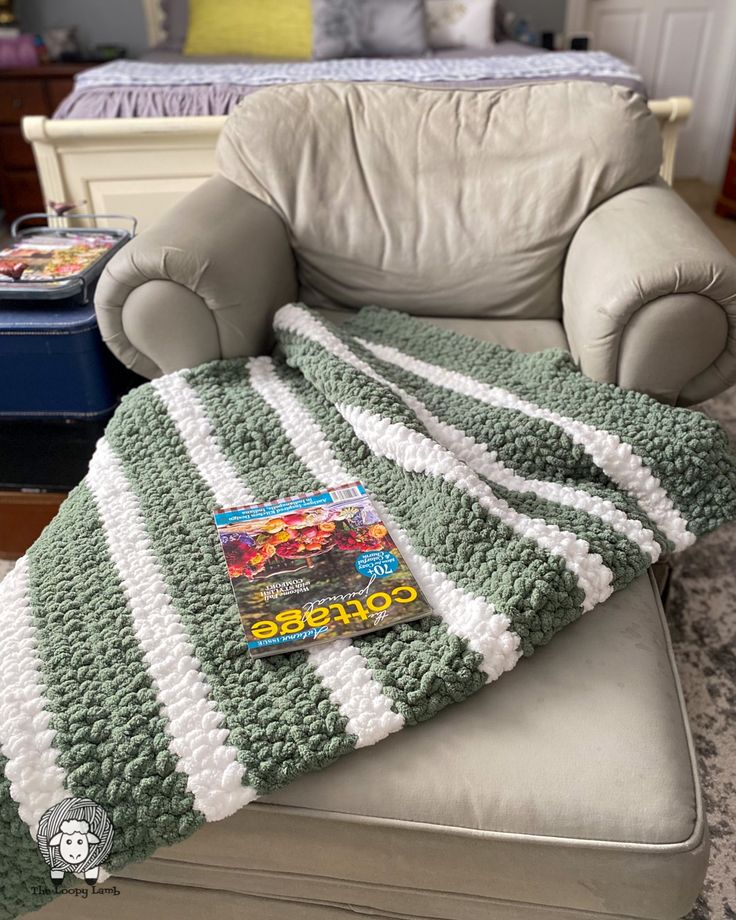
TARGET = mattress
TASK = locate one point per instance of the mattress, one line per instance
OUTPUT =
(165, 84)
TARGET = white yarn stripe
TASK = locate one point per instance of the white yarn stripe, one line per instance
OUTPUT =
(486, 462)
(359, 697)
(486, 631)
(612, 455)
(196, 431)
(480, 459)
(214, 776)
(368, 711)
(342, 669)
(36, 780)
(594, 577)
(417, 453)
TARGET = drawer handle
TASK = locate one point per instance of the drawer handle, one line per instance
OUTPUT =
(17, 103)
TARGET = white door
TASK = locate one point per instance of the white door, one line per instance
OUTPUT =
(681, 48)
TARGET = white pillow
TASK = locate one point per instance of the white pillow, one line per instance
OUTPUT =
(460, 23)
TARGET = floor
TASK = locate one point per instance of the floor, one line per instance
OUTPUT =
(700, 197)
(701, 609)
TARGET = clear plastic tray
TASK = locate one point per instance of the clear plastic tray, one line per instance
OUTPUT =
(74, 286)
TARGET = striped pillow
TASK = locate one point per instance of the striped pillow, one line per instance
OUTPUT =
(461, 23)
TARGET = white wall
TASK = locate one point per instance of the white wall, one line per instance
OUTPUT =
(119, 22)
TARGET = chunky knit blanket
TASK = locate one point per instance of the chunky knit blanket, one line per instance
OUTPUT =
(521, 494)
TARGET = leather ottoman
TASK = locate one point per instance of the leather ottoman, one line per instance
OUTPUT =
(566, 790)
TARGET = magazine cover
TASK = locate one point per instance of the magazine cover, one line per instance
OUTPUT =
(314, 568)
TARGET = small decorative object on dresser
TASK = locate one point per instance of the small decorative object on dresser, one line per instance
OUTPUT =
(7, 16)
(726, 204)
(62, 44)
(26, 91)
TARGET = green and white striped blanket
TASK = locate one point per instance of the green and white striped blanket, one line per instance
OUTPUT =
(521, 493)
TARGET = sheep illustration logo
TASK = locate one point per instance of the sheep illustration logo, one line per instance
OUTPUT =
(75, 835)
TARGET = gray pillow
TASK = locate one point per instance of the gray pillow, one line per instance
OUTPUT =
(336, 29)
(392, 27)
(176, 24)
(368, 28)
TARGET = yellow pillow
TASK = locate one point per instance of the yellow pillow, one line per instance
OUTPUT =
(257, 28)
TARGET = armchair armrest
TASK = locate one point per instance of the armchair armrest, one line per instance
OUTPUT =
(649, 298)
(201, 284)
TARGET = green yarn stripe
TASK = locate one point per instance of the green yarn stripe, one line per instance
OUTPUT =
(248, 433)
(252, 697)
(531, 447)
(108, 726)
(661, 435)
(425, 509)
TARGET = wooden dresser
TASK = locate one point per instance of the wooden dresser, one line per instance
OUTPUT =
(26, 91)
(726, 204)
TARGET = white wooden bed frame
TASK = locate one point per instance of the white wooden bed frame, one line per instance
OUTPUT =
(142, 166)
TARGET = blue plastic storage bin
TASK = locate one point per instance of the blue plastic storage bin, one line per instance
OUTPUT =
(53, 363)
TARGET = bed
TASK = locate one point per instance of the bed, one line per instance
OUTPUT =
(134, 137)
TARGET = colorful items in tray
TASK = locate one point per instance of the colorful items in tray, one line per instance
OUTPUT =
(48, 257)
(11, 269)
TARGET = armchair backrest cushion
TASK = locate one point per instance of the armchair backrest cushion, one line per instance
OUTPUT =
(433, 200)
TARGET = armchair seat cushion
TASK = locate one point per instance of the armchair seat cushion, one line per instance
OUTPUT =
(525, 335)
(569, 791)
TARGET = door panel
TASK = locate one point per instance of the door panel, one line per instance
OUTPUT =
(623, 30)
(682, 52)
(681, 48)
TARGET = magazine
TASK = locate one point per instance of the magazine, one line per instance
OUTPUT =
(314, 568)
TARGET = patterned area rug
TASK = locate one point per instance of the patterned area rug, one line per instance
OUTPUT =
(701, 609)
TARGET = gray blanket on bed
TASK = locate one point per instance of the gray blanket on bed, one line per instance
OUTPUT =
(177, 86)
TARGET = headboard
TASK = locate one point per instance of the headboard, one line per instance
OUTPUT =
(154, 21)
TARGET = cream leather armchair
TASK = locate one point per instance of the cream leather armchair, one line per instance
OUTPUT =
(531, 216)
(569, 233)
(648, 298)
